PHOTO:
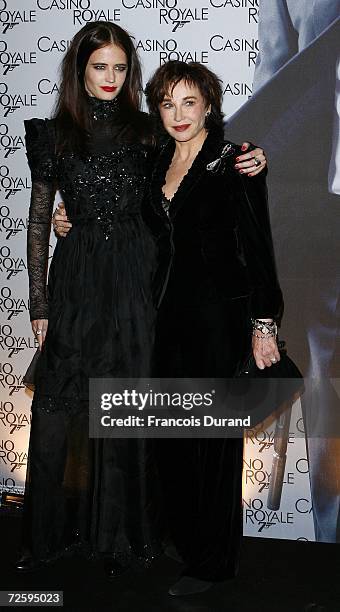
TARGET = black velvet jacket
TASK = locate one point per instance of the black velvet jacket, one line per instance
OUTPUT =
(216, 241)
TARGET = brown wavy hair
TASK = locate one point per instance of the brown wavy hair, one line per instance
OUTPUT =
(71, 109)
(167, 76)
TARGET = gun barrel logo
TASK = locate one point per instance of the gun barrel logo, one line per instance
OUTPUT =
(15, 389)
(10, 151)
(13, 312)
(179, 24)
(9, 67)
(11, 232)
(10, 109)
(265, 525)
(9, 25)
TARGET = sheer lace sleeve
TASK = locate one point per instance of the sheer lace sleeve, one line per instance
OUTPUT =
(40, 155)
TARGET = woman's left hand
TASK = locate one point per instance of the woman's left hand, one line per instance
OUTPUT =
(251, 163)
(265, 351)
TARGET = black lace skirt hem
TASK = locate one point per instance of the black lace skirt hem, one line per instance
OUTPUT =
(126, 558)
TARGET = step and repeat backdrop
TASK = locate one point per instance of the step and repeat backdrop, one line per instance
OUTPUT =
(34, 36)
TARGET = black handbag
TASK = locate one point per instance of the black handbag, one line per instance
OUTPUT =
(30, 376)
(285, 368)
(266, 391)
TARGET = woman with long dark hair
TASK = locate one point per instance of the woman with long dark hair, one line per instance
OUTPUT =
(96, 318)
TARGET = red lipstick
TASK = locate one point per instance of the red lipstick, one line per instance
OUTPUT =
(181, 128)
(108, 89)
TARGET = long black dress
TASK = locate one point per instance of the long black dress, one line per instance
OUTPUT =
(96, 493)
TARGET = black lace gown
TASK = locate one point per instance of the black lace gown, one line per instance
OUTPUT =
(98, 494)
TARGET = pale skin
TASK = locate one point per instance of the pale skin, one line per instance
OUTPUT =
(106, 68)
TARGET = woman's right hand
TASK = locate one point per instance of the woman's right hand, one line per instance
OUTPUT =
(60, 222)
(265, 351)
(39, 327)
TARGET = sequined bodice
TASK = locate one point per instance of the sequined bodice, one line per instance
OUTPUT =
(102, 185)
(106, 183)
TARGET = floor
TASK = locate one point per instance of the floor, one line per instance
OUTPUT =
(274, 576)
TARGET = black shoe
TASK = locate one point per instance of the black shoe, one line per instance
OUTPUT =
(187, 585)
(172, 553)
(114, 569)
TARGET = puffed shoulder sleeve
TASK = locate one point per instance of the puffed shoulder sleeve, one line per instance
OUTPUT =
(40, 155)
(39, 139)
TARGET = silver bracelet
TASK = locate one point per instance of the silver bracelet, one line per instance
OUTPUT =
(264, 327)
(266, 337)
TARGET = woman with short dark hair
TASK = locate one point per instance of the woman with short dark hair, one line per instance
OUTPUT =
(216, 279)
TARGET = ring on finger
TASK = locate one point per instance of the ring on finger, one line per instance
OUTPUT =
(257, 162)
(273, 359)
(38, 332)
